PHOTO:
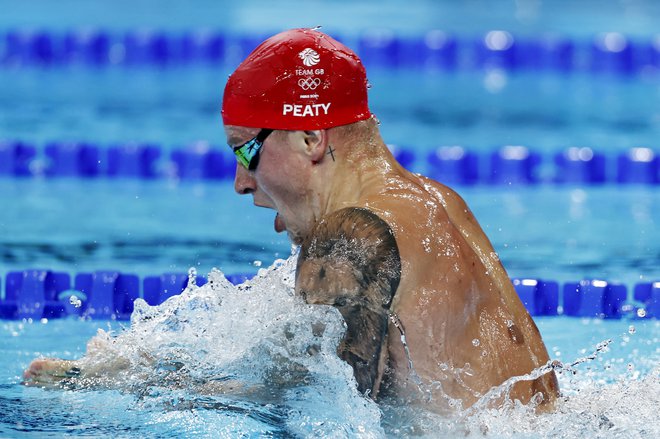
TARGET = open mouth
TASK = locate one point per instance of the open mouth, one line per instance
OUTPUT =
(279, 224)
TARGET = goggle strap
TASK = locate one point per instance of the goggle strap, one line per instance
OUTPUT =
(263, 134)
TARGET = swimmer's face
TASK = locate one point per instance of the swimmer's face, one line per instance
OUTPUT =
(280, 181)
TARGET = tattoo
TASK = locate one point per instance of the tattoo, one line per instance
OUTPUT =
(331, 151)
(352, 262)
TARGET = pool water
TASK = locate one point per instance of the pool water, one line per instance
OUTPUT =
(610, 382)
(152, 227)
(554, 232)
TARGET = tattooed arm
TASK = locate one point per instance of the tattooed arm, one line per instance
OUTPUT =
(352, 262)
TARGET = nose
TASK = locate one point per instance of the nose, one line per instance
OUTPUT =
(244, 182)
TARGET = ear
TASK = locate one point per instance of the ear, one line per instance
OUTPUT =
(316, 142)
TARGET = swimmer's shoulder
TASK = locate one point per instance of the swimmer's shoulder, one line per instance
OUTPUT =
(359, 239)
(355, 223)
(441, 190)
(454, 205)
(351, 261)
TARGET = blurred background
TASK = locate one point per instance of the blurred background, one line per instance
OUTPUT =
(115, 179)
(114, 156)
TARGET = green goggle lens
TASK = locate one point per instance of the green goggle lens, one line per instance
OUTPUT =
(247, 154)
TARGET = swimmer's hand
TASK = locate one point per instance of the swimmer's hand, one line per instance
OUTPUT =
(52, 373)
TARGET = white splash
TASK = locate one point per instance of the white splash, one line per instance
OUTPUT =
(75, 301)
(217, 344)
(255, 355)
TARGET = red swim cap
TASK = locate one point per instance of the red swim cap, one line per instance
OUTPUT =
(300, 79)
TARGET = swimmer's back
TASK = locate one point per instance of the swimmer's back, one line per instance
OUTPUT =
(455, 300)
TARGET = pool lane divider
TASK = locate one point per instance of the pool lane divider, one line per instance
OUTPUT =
(198, 160)
(608, 52)
(454, 165)
(36, 294)
(104, 294)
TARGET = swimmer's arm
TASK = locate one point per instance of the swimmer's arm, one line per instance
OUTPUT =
(352, 262)
(51, 372)
(70, 374)
(99, 367)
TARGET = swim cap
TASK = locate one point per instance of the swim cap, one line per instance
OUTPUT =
(300, 79)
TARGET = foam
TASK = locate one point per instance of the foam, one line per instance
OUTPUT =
(254, 347)
(256, 358)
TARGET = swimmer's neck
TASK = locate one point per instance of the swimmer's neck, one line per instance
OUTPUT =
(357, 172)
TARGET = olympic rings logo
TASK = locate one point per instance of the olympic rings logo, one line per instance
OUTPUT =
(309, 83)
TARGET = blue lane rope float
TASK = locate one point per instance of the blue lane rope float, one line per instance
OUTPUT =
(454, 165)
(36, 294)
(434, 49)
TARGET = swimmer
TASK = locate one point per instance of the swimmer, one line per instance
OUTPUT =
(397, 253)
(430, 311)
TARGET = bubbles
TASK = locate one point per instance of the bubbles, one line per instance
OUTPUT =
(603, 346)
(192, 278)
(426, 243)
(261, 345)
(75, 301)
(621, 408)
(631, 329)
(257, 342)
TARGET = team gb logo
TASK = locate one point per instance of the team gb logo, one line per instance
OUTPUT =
(309, 57)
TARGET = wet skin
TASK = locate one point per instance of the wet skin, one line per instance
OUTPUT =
(465, 327)
(438, 280)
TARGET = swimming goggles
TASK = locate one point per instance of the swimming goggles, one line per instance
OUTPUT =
(247, 154)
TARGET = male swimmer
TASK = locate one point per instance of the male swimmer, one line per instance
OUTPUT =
(430, 312)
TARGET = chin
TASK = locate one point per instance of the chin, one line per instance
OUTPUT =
(296, 240)
(295, 237)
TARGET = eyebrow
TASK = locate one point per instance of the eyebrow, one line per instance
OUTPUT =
(235, 141)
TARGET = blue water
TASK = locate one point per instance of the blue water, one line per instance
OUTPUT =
(550, 232)
(635, 17)
(614, 394)
(562, 233)
(177, 106)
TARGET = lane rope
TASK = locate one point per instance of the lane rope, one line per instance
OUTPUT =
(37, 294)
(454, 165)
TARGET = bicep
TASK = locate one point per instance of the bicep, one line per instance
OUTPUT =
(352, 262)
